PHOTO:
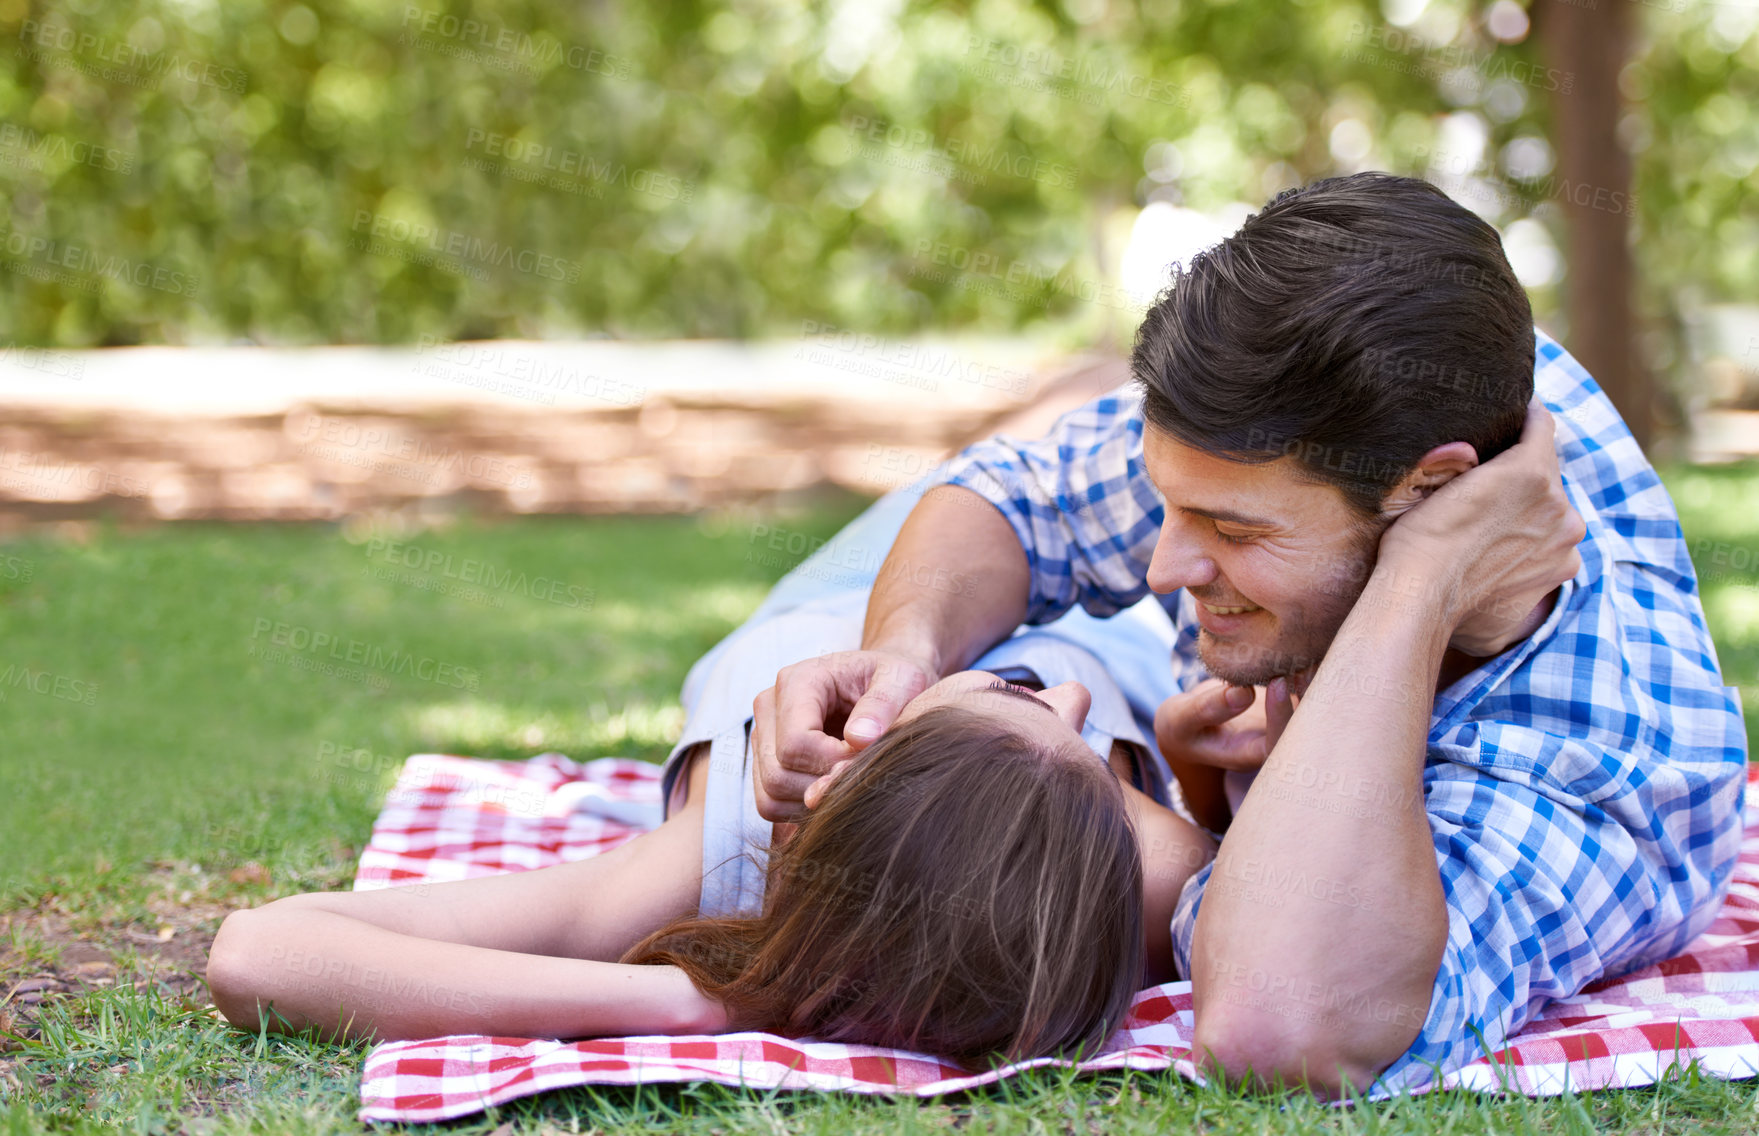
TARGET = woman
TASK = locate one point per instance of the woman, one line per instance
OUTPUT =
(978, 882)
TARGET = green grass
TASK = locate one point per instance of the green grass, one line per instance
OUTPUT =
(169, 757)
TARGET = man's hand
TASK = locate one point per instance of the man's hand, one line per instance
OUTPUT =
(1492, 544)
(798, 731)
(1215, 727)
(824, 710)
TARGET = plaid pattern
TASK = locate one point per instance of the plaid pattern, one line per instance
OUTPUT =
(1584, 789)
(453, 817)
(456, 818)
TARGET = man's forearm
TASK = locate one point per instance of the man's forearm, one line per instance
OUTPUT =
(955, 582)
(1323, 922)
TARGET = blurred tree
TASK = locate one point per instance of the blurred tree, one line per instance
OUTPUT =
(1592, 43)
(299, 171)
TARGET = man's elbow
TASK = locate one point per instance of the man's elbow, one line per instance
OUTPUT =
(1263, 1053)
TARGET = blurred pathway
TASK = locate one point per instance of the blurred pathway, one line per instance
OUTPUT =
(323, 433)
(244, 433)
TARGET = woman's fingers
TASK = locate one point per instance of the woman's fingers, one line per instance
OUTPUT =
(1218, 701)
(1208, 704)
(1279, 706)
(1214, 723)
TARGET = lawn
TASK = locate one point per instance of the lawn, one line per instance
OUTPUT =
(203, 717)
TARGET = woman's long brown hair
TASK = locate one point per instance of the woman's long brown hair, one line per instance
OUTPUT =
(961, 890)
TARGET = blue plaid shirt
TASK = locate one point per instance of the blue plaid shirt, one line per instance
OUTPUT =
(1584, 788)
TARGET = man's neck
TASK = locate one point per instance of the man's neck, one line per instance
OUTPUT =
(1456, 665)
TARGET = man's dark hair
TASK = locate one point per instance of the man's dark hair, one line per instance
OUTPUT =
(1354, 324)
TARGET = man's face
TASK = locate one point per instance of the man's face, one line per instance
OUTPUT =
(1274, 562)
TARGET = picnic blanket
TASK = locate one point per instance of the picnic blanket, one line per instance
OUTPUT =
(451, 818)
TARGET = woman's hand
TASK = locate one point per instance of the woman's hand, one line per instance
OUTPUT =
(1215, 727)
(524, 954)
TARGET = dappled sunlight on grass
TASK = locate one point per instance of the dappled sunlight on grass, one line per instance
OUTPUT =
(199, 740)
(1719, 501)
(1733, 614)
(641, 728)
(197, 762)
(692, 607)
(1719, 513)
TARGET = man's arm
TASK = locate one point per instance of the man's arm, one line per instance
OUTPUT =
(1018, 532)
(1278, 968)
(910, 614)
(1331, 980)
(954, 582)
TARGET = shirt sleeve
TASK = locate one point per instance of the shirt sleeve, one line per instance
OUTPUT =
(1587, 812)
(1547, 892)
(1080, 502)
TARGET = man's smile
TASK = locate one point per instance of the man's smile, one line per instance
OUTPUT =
(1226, 621)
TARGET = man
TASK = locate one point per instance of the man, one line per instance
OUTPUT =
(1494, 756)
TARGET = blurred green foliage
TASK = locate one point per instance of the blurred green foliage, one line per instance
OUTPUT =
(345, 171)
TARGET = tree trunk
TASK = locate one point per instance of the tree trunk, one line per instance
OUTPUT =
(1586, 44)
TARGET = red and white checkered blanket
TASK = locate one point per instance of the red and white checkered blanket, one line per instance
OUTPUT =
(453, 817)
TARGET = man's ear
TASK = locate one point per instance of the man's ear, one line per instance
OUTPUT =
(1433, 470)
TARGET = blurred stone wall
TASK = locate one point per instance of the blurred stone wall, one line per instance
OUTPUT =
(238, 434)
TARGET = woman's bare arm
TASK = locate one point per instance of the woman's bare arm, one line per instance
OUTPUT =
(525, 954)
(295, 970)
(1173, 849)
